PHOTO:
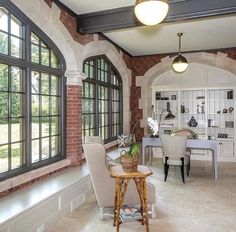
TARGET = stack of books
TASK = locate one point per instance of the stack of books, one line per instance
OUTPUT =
(130, 214)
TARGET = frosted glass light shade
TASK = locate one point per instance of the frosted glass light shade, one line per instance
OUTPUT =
(151, 12)
(180, 64)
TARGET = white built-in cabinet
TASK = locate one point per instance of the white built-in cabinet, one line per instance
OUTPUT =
(211, 111)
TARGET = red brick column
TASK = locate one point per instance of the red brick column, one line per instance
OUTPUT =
(74, 118)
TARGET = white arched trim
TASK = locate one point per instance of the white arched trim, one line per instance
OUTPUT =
(219, 60)
(48, 20)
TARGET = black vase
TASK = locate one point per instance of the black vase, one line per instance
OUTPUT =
(192, 122)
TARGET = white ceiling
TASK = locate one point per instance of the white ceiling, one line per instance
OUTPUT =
(202, 34)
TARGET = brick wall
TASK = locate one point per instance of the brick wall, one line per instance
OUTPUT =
(74, 124)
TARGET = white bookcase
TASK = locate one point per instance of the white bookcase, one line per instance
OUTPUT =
(211, 111)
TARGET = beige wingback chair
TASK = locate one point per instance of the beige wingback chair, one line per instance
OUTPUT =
(104, 185)
(174, 148)
(93, 139)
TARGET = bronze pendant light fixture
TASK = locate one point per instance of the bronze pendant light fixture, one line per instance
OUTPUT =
(180, 63)
(151, 12)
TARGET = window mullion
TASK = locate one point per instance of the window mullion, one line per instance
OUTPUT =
(96, 110)
(27, 84)
(109, 102)
(9, 118)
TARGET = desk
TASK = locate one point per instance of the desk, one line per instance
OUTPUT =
(191, 143)
(122, 181)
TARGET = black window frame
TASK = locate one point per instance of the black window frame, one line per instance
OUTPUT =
(107, 84)
(28, 66)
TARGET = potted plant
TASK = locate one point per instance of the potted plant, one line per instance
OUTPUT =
(130, 160)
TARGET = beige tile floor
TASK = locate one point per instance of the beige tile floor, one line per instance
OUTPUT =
(200, 205)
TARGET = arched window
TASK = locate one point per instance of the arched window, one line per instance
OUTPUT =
(31, 95)
(102, 98)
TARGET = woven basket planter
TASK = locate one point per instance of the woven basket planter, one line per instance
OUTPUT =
(129, 163)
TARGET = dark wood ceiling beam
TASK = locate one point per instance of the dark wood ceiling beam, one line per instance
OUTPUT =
(124, 17)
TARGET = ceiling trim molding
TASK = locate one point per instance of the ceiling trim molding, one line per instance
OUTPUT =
(124, 17)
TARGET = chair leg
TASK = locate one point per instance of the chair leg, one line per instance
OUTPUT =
(166, 168)
(188, 169)
(182, 170)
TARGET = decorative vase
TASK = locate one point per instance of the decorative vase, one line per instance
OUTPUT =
(192, 122)
(129, 163)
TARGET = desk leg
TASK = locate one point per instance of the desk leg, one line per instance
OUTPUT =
(141, 187)
(214, 163)
(143, 153)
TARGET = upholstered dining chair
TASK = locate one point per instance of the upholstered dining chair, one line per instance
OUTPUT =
(104, 185)
(190, 135)
(174, 148)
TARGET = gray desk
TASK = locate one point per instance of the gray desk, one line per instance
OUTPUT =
(191, 143)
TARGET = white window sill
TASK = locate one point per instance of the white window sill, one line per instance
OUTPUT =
(31, 175)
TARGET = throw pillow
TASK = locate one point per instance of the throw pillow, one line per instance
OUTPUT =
(125, 140)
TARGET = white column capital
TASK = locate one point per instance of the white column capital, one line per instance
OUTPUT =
(74, 77)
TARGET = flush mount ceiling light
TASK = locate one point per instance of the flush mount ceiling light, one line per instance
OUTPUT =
(150, 12)
(180, 63)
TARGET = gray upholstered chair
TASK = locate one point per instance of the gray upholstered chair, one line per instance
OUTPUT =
(174, 148)
(104, 185)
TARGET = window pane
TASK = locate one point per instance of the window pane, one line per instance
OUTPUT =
(44, 56)
(16, 104)
(45, 105)
(35, 53)
(35, 82)
(16, 80)
(35, 105)
(54, 60)
(44, 83)
(3, 77)
(3, 158)
(55, 144)
(16, 27)
(45, 148)
(54, 85)
(3, 104)
(103, 106)
(3, 19)
(54, 105)
(16, 47)
(88, 105)
(4, 131)
(45, 127)
(34, 39)
(3, 43)
(16, 155)
(16, 130)
(35, 150)
(35, 128)
(55, 125)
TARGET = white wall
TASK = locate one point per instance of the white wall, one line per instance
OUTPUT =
(196, 75)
